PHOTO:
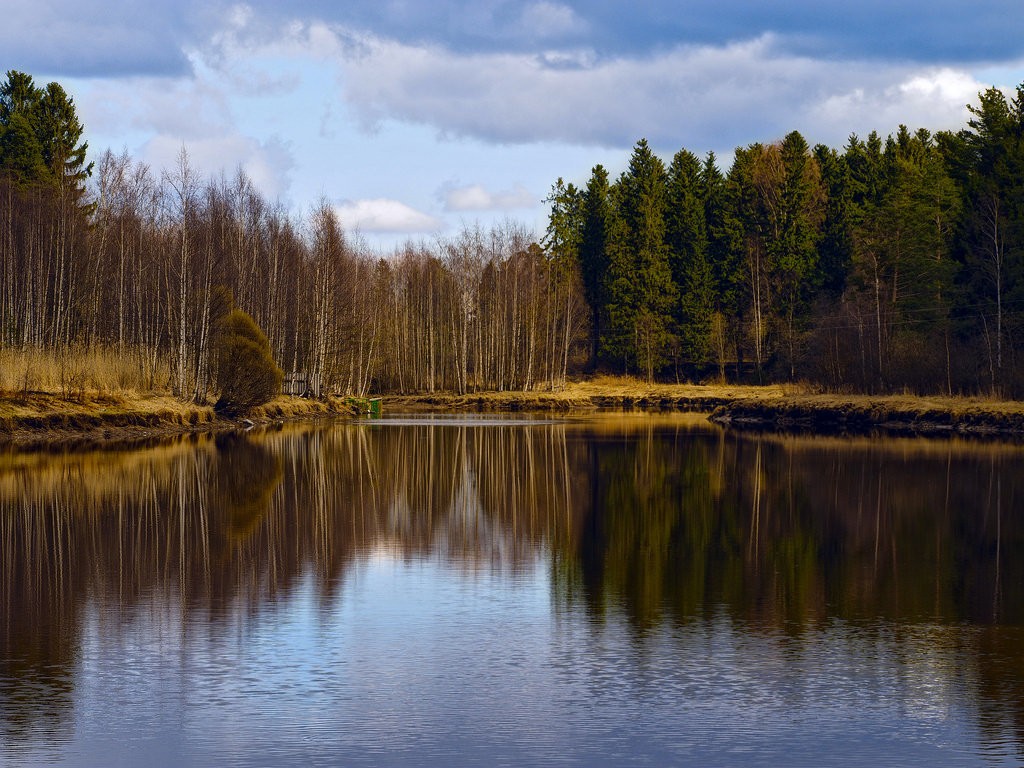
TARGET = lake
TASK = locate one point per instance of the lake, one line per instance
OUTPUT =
(617, 589)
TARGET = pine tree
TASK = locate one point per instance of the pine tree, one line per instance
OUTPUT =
(594, 253)
(987, 159)
(40, 134)
(724, 253)
(794, 252)
(687, 239)
(641, 294)
(834, 250)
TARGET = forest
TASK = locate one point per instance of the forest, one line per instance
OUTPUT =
(892, 264)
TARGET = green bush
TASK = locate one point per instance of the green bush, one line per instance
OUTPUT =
(245, 371)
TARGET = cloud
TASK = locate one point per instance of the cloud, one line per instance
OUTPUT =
(933, 99)
(125, 37)
(188, 108)
(476, 198)
(113, 38)
(268, 163)
(544, 20)
(704, 97)
(386, 216)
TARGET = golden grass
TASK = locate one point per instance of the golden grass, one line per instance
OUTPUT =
(790, 406)
(78, 372)
(98, 390)
(597, 392)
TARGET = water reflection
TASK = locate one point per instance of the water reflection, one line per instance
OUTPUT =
(815, 569)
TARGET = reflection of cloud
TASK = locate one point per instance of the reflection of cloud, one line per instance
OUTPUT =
(476, 198)
(385, 216)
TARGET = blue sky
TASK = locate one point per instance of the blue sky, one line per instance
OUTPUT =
(414, 117)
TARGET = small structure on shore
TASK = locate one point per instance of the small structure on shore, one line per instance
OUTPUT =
(295, 383)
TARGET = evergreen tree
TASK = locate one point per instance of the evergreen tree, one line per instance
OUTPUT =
(594, 253)
(686, 235)
(834, 250)
(21, 155)
(748, 185)
(685, 227)
(794, 251)
(987, 159)
(564, 233)
(723, 255)
(641, 294)
(60, 132)
(40, 134)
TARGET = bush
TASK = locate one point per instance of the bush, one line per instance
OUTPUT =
(245, 371)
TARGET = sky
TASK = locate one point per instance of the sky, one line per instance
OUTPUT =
(415, 118)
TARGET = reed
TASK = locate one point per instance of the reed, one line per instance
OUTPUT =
(79, 372)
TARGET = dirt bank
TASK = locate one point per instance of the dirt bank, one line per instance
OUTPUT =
(863, 414)
(40, 419)
(749, 407)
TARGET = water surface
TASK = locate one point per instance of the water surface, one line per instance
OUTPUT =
(614, 590)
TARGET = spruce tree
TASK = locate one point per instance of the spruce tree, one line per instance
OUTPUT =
(686, 236)
(641, 294)
(594, 253)
(40, 134)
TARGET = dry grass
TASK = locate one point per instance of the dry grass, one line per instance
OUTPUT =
(627, 386)
(77, 394)
(786, 407)
(78, 373)
(598, 392)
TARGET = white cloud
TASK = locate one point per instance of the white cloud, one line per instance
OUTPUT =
(382, 215)
(476, 197)
(186, 108)
(933, 99)
(548, 20)
(697, 96)
(268, 164)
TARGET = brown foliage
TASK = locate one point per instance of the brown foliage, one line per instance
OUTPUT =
(246, 373)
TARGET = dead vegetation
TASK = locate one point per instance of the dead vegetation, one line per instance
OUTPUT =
(100, 395)
(778, 407)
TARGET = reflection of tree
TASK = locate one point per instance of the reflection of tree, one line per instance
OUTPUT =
(665, 524)
(783, 534)
(795, 530)
(245, 478)
(1001, 685)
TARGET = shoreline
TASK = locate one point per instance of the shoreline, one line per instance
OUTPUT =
(46, 421)
(751, 408)
(40, 420)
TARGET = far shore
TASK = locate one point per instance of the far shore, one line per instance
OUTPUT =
(788, 408)
(40, 419)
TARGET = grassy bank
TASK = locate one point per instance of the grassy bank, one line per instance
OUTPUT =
(113, 413)
(786, 408)
(42, 418)
(599, 393)
(866, 414)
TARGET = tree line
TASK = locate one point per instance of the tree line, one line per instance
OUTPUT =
(890, 264)
(114, 254)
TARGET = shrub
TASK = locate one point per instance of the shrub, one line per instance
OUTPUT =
(245, 372)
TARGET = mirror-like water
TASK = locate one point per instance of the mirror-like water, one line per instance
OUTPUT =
(616, 590)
